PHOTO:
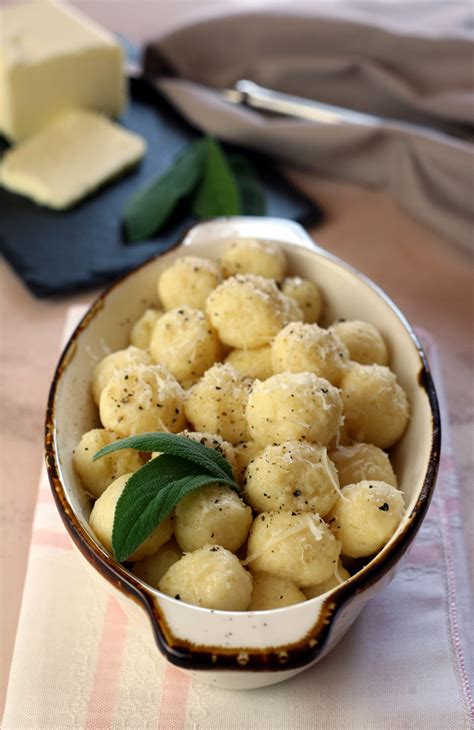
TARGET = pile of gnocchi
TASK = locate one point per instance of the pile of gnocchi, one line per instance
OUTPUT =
(234, 358)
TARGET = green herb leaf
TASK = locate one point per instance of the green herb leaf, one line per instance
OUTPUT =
(206, 458)
(150, 496)
(132, 520)
(251, 190)
(149, 209)
(152, 492)
(217, 193)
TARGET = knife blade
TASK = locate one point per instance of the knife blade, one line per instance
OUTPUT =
(249, 94)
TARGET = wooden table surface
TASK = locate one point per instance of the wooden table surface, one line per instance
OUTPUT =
(429, 278)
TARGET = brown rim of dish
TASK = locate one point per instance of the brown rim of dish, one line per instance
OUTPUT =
(284, 657)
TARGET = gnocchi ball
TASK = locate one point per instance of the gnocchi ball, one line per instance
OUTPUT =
(362, 461)
(152, 569)
(213, 515)
(217, 443)
(307, 296)
(244, 453)
(365, 517)
(292, 406)
(189, 280)
(216, 404)
(106, 368)
(327, 585)
(294, 475)
(97, 475)
(308, 348)
(140, 335)
(253, 364)
(141, 399)
(250, 256)
(375, 406)
(269, 592)
(247, 311)
(185, 342)
(363, 341)
(211, 577)
(292, 545)
(294, 313)
(102, 521)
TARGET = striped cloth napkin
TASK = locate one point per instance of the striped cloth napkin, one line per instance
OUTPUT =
(80, 663)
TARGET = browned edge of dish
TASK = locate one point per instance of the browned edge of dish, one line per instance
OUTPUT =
(283, 657)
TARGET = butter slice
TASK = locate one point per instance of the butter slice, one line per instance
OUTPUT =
(52, 59)
(70, 158)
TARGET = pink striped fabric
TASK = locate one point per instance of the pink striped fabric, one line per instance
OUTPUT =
(81, 662)
(51, 538)
(174, 699)
(103, 697)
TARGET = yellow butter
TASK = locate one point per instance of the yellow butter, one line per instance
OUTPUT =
(70, 158)
(52, 59)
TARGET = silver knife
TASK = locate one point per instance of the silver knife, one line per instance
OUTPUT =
(247, 93)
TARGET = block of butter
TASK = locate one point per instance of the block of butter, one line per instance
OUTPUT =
(51, 59)
(70, 158)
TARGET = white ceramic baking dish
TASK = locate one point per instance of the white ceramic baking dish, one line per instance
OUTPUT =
(243, 649)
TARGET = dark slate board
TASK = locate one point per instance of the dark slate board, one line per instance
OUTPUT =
(61, 252)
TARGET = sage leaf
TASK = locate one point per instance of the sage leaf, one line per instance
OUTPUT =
(251, 190)
(149, 497)
(206, 458)
(149, 208)
(217, 193)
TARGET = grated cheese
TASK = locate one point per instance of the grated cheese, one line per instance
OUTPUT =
(327, 467)
(317, 533)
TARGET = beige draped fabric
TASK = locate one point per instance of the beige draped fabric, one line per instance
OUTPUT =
(407, 61)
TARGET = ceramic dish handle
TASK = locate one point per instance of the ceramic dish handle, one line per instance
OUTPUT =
(273, 229)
